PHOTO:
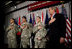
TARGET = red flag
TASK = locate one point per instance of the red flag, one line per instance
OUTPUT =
(19, 23)
(68, 28)
(42, 16)
(19, 33)
(57, 10)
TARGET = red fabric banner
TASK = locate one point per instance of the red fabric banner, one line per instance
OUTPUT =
(57, 10)
(41, 4)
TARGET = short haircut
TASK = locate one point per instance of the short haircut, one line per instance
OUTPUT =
(39, 17)
(24, 17)
(53, 8)
(13, 19)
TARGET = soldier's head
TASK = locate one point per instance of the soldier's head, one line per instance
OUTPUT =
(12, 20)
(24, 19)
(38, 19)
(52, 10)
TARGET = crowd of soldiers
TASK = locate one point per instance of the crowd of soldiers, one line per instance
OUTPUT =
(38, 30)
(26, 31)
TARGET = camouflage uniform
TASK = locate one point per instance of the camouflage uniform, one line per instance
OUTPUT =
(26, 34)
(12, 43)
(39, 33)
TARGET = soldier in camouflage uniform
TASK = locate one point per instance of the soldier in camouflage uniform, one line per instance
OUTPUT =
(26, 33)
(40, 33)
(12, 30)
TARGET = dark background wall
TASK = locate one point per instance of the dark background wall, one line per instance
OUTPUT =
(2, 19)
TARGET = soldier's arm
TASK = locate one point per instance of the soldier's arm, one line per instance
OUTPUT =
(31, 28)
(29, 33)
(16, 27)
(22, 27)
(8, 29)
(35, 29)
(43, 33)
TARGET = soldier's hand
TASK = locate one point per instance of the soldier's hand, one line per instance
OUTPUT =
(23, 26)
(11, 27)
(39, 27)
(39, 38)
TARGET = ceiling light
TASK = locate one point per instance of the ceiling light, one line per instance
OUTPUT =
(8, 2)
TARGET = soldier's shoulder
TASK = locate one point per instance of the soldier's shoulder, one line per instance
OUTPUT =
(27, 23)
(15, 24)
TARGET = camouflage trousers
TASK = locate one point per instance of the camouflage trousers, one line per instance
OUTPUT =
(12, 43)
(40, 44)
(25, 43)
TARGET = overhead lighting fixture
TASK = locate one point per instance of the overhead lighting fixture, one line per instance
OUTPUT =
(15, 7)
(8, 2)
